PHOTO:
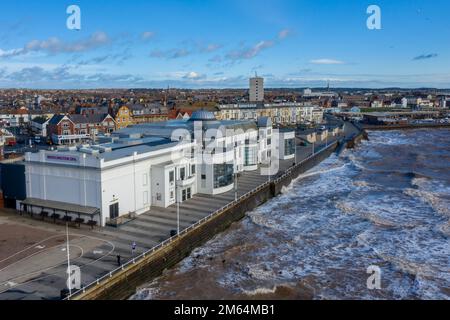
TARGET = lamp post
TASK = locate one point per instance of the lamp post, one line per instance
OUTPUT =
(295, 143)
(69, 271)
(235, 186)
(177, 200)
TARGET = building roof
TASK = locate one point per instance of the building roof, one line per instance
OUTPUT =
(202, 115)
(61, 206)
(264, 122)
(56, 119)
(89, 118)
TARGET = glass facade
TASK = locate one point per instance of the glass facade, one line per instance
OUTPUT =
(250, 156)
(289, 147)
(223, 175)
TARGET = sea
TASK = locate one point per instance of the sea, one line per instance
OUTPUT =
(371, 223)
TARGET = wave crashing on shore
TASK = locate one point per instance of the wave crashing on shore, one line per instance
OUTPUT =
(385, 204)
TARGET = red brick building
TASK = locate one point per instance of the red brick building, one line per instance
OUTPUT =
(71, 129)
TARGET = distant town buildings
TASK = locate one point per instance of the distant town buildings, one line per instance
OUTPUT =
(280, 114)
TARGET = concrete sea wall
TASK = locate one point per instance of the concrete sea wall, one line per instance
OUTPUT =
(123, 284)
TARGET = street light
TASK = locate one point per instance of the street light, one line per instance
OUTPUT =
(178, 206)
(235, 186)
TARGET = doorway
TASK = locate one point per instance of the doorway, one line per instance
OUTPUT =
(114, 211)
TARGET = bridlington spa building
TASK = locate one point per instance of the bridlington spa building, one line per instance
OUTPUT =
(152, 164)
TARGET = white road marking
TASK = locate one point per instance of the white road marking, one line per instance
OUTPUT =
(40, 247)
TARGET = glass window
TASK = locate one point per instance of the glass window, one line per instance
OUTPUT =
(250, 156)
(193, 169)
(171, 177)
(289, 147)
(223, 175)
(145, 179)
(183, 173)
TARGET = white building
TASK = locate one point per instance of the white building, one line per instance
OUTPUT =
(377, 104)
(154, 164)
(404, 102)
(286, 146)
(279, 113)
(116, 178)
(39, 126)
(443, 103)
(257, 89)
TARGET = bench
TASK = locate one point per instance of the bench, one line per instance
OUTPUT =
(92, 223)
(79, 221)
(44, 214)
(55, 217)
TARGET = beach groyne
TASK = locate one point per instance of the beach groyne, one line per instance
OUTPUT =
(122, 283)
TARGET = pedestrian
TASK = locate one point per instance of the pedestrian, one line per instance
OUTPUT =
(119, 262)
(133, 248)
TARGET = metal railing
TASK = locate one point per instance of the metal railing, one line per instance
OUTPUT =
(193, 226)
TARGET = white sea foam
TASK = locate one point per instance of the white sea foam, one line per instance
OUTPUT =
(261, 291)
(334, 222)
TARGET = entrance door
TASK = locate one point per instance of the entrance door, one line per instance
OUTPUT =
(189, 193)
(114, 211)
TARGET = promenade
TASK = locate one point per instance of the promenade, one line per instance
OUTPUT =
(39, 272)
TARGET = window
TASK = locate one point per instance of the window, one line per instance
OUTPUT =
(145, 198)
(172, 195)
(183, 173)
(250, 156)
(171, 177)
(269, 141)
(189, 193)
(158, 196)
(289, 147)
(145, 179)
(193, 169)
(223, 175)
(114, 211)
(203, 176)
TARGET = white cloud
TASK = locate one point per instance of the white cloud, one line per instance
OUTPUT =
(283, 34)
(147, 35)
(55, 45)
(194, 76)
(326, 61)
(248, 53)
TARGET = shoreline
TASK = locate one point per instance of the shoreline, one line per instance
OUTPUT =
(123, 284)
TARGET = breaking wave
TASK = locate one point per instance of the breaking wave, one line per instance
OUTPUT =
(382, 204)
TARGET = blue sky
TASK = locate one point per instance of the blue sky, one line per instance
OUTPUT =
(220, 43)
